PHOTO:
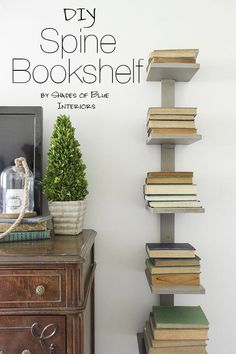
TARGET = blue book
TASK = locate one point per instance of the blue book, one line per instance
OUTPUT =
(26, 236)
(170, 250)
(33, 220)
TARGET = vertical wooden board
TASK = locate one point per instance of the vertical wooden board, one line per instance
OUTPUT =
(75, 333)
(167, 157)
(167, 221)
(167, 93)
(167, 228)
(167, 300)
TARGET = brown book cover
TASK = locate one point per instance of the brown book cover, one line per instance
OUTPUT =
(170, 343)
(169, 174)
(171, 124)
(172, 60)
(42, 226)
(171, 117)
(169, 131)
(176, 262)
(169, 180)
(173, 279)
(173, 110)
(172, 350)
(174, 53)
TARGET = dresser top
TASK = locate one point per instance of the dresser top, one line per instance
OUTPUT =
(64, 249)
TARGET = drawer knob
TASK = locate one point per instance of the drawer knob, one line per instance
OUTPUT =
(26, 351)
(40, 290)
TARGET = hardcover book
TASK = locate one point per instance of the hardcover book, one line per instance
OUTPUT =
(175, 262)
(178, 333)
(178, 279)
(170, 250)
(171, 189)
(175, 110)
(26, 236)
(179, 317)
(171, 269)
(175, 204)
(174, 53)
(170, 343)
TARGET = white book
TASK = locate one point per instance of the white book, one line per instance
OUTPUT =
(174, 204)
(173, 189)
(170, 197)
(170, 124)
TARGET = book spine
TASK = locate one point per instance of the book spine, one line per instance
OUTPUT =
(175, 204)
(167, 131)
(176, 110)
(169, 180)
(174, 279)
(25, 227)
(26, 236)
(174, 53)
(171, 124)
(170, 117)
(170, 174)
(170, 189)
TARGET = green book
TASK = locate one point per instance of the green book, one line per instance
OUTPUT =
(175, 262)
(179, 317)
(26, 236)
(194, 269)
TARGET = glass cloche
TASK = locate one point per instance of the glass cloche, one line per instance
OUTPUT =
(12, 186)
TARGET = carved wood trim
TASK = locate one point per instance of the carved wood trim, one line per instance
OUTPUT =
(43, 335)
(75, 334)
(74, 286)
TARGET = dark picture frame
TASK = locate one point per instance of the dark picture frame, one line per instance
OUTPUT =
(28, 135)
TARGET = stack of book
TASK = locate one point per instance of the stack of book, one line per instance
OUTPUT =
(172, 264)
(182, 56)
(35, 228)
(171, 190)
(176, 330)
(171, 121)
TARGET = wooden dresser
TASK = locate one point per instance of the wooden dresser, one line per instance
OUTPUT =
(47, 296)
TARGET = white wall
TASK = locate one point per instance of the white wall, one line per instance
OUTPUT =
(113, 144)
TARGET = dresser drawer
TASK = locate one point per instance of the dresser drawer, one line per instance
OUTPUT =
(32, 334)
(32, 288)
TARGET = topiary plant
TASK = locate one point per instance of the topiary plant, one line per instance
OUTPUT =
(65, 178)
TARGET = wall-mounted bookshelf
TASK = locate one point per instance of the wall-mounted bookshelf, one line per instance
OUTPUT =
(168, 74)
(173, 139)
(174, 210)
(172, 71)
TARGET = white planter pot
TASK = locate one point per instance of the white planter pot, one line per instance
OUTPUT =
(68, 217)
